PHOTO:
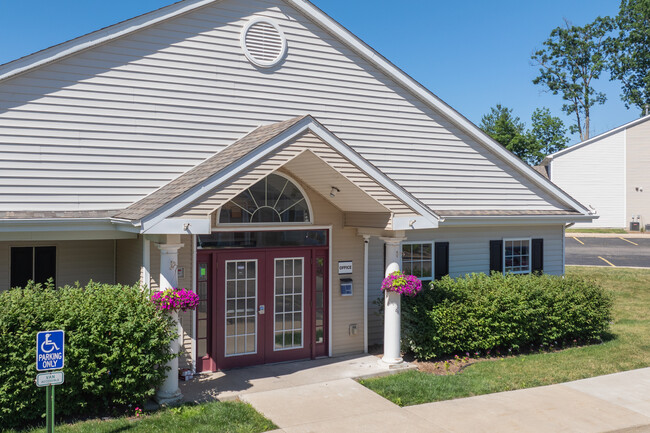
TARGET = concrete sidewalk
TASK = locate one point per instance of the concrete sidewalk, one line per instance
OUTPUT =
(614, 403)
(231, 384)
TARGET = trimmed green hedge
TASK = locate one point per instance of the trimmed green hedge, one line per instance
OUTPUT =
(117, 344)
(478, 313)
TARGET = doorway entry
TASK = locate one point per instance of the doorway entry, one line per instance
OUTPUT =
(261, 305)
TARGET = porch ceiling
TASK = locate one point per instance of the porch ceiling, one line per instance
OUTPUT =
(321, 177)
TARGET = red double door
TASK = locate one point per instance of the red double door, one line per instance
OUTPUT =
(261, 306)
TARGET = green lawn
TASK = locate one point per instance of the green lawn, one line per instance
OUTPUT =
(618, 231)
(629, 349)
(216, 417)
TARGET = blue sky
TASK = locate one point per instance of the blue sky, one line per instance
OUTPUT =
(472, 54)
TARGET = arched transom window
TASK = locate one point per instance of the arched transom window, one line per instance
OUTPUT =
(274, 199)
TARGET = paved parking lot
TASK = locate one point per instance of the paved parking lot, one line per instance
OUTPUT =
(607, 251)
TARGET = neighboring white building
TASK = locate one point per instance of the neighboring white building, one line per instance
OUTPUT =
(268, 155)
(609, 173)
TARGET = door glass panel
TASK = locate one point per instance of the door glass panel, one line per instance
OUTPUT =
(288, 293)
(241, 307)
(202, 311)
(320, 287)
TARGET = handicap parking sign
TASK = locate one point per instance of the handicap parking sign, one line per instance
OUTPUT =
(49, 350)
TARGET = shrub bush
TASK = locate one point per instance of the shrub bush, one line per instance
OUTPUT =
(116, 348)
(518, 312)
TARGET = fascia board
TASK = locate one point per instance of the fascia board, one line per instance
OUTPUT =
(432, 100)
(412, 222)
(98, 37)
(52, 224)
(172, 226)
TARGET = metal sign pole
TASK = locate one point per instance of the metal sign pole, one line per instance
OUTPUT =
(48, 409)
(52, 420)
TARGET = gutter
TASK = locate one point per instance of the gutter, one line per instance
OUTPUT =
(516, 219)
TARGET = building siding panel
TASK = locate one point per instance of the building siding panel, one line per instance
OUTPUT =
(637, 187)
(150, 105)
(594, 175)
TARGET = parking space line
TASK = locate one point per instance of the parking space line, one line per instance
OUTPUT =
(607, 261)
(633, 243)
(578, 240)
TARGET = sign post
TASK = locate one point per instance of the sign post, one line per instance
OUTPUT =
(50, 355)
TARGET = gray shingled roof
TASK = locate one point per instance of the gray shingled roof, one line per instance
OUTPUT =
(541, 169)
(205, 170)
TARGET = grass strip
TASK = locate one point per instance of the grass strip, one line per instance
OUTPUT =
(214, 417)
(629, 349)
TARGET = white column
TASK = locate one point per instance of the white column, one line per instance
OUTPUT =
(392, 307)
(366, 240)
(169, 393)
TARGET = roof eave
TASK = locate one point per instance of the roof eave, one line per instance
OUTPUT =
(514, 219)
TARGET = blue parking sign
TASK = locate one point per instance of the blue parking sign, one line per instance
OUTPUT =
(49, 350)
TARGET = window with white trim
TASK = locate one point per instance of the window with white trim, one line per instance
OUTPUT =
(417, 259)
(274, 199)
(516, 256)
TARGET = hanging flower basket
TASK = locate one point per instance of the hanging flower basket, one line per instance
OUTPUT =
(408, 285)
(175, 300)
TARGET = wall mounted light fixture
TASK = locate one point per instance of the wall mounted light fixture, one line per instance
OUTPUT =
(334, 191)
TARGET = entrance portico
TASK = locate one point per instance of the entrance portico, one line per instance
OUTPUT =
(271, 216)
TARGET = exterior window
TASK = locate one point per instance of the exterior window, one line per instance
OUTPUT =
(417, 259)
(32, 263)
(274, 199)
(516, 256)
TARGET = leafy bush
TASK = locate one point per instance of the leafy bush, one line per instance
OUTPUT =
(481, 312)
(116, 348)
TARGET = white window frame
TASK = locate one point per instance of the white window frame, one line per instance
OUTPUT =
(291, 180)
(433, 262)
(530, 255)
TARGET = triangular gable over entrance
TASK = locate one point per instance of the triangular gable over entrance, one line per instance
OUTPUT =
(199, 192)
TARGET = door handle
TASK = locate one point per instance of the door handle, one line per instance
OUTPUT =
(261, 309)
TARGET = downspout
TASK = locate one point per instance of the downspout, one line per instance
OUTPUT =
(366, 239)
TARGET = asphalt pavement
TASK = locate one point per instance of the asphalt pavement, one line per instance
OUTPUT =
(616, 251)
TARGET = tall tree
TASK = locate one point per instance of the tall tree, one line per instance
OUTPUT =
(572, 58)
(506, 128)
(631, 61)
(549, 131)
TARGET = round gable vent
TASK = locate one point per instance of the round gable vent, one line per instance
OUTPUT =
(263, 42)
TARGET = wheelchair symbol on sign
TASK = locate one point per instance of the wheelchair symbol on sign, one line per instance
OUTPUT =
(52, 346)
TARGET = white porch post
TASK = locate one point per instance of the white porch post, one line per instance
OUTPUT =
(169, 393)
(392, 305)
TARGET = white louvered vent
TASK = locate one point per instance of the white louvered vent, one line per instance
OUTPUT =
(263, 42)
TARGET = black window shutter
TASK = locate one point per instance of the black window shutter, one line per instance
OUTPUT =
(45, 264)
(22, 266)
(441, 259)
(537, 256)
(496, 256)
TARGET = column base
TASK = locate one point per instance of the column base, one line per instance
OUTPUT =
(169, 399)
(392, 361)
